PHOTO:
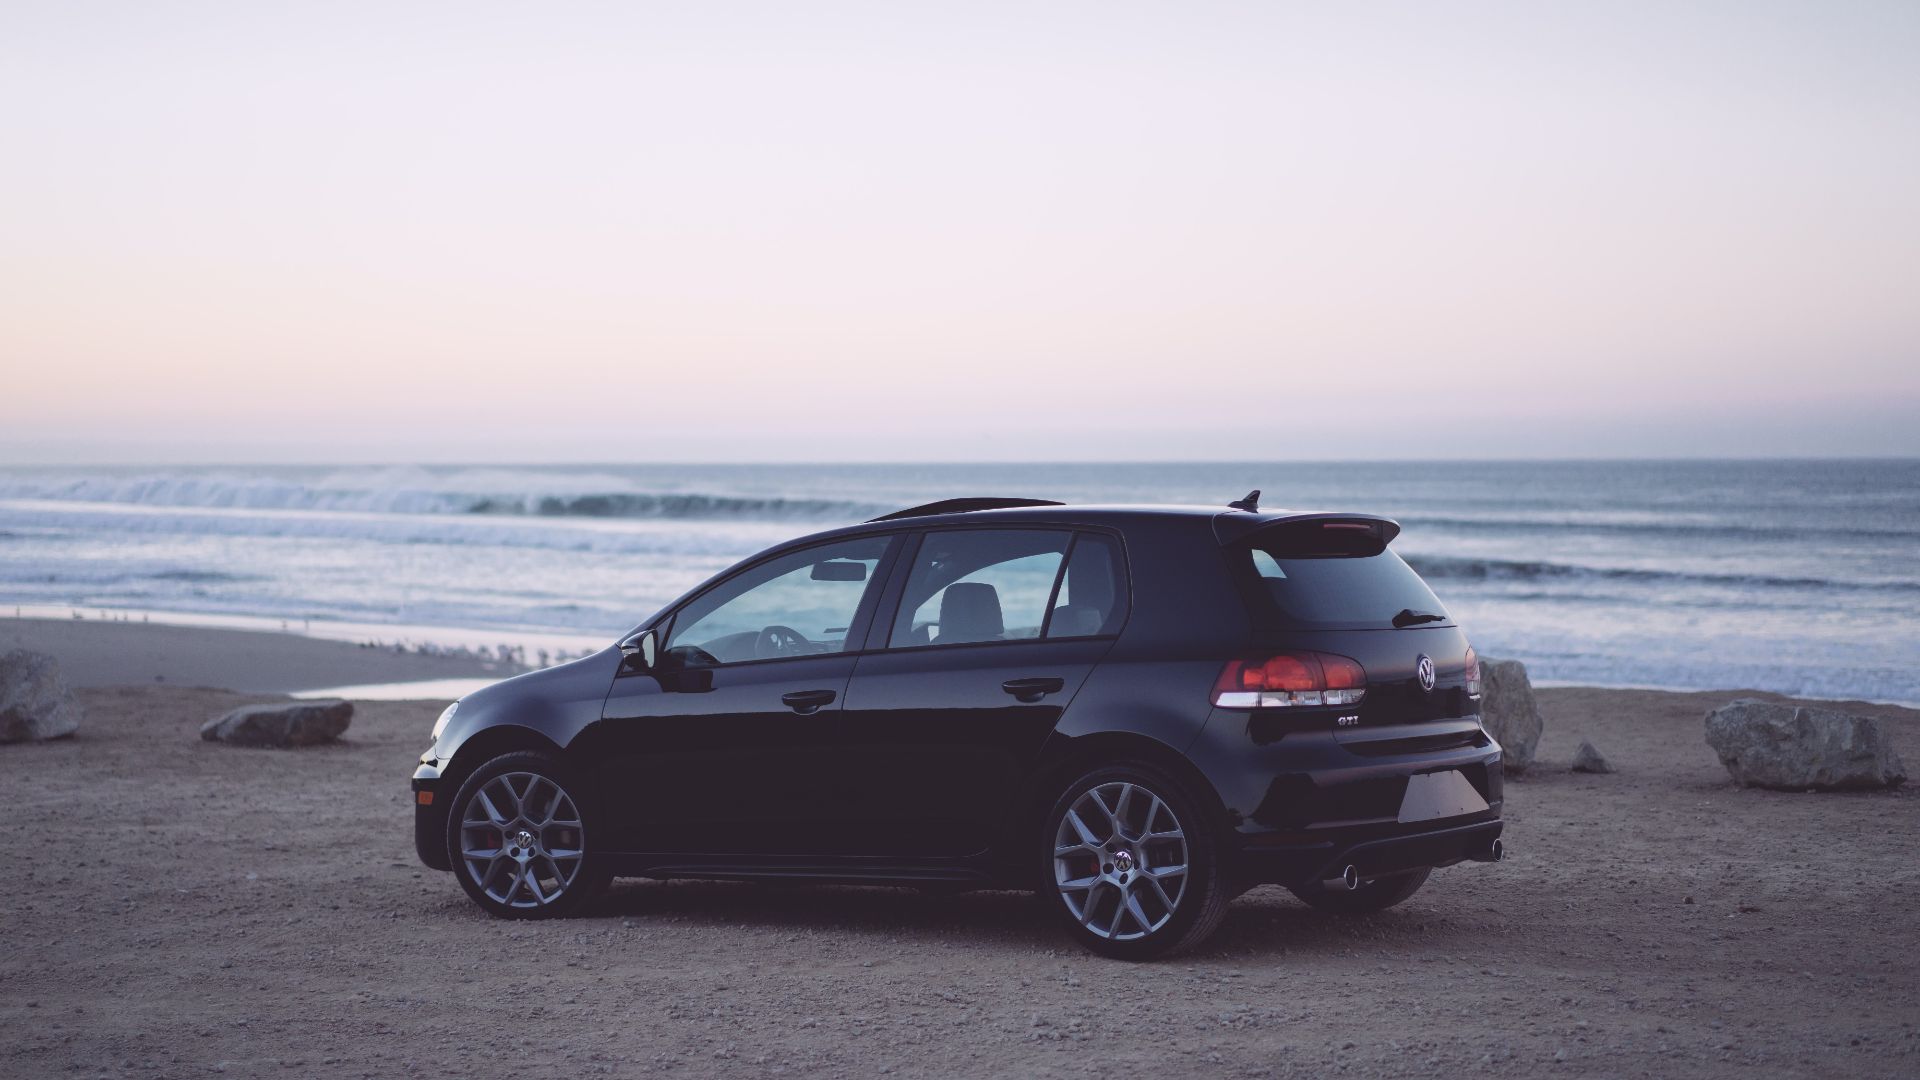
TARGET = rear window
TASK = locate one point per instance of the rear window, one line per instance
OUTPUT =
(1356, 592)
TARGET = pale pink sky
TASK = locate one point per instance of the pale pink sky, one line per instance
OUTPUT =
(886, 231)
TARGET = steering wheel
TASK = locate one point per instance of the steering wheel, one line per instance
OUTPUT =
(777, 641)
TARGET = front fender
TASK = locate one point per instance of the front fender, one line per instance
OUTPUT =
(555, 703)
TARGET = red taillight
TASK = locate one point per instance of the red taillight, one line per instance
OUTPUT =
(1473, 672)
(1287, 679)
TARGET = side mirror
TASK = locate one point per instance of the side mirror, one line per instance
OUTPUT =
(839, 570)
(639, 651)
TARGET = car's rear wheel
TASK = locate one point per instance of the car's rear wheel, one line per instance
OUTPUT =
(1374, 894)
(517, 835)
(1132, 867)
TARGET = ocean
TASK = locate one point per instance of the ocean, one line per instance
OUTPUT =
(1800, 576)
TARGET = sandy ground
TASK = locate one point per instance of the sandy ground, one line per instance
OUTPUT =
(96, 652)
(178, 908)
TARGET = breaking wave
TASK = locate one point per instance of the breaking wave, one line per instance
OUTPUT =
(412, 491)
(1452, 568)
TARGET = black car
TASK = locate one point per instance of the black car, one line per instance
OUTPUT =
(1139, 711)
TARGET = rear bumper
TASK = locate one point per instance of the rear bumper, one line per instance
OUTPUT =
(430, 818)
(1430, 845)
(1300, 805)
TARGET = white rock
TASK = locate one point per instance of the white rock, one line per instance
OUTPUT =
(1588, 759)
(295, 723)
(1508, 711)
(1793, 747)
(34, 701)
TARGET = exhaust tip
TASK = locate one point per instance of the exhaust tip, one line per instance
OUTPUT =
(1496, 850)
(1347, 880)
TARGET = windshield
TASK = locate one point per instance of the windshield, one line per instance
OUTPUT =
(1338, 591)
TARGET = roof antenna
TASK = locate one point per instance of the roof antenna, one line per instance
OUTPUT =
(1250, 503)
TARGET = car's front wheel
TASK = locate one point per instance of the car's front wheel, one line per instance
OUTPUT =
(517, 835)
(1132, 867)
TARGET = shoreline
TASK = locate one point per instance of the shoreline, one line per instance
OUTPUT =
(99, 653)
(96, 652)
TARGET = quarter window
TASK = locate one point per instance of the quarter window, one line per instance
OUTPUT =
(976, 585)
(1093, 595)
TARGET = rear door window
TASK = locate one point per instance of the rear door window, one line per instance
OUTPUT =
(979, 585)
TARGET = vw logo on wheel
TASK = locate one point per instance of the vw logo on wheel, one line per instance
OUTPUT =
(1424, 668)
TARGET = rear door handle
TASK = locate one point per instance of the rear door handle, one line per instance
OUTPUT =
(807, 702)
(1031, 690)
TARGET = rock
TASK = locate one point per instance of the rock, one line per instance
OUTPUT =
(1587, 759)
(1508, 711)
(1795, 748)
(294, 723)
(35, 703)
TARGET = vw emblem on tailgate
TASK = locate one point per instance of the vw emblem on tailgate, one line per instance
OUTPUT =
(1424, 668)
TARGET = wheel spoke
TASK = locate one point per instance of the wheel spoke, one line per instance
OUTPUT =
(1160, 891)
(1118, 815)
(1086, 835)
(1139, 913)
(1086, 908)
(486, 806)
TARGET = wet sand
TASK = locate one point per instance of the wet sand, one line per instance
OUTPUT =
(98, 652)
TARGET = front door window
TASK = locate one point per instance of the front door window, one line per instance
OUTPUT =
(800, 604)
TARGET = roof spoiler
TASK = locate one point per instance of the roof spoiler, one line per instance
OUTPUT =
(1309, 534)
(961, 506)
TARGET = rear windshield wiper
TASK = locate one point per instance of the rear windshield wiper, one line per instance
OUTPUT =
(1409, 617)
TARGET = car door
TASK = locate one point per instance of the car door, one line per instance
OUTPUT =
(981, 646)
(718, 748)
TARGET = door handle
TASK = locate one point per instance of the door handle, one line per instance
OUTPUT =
(1032, 690)
(807, 702)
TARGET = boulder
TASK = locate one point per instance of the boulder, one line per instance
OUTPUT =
(1508, 711)
(1588, 759)
(34, 700)
(1794, 748)
(293, 723)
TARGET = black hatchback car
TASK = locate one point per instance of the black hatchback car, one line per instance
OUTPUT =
(1139, 711)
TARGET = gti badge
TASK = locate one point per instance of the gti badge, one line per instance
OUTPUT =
(1424, 666)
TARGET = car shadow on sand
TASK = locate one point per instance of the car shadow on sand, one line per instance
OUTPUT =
(1266, 921)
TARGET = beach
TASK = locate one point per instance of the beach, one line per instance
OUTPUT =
(186, 907)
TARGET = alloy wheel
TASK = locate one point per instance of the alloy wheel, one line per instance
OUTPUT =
(1120, 861)
(521, 840)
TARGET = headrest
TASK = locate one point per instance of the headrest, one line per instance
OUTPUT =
(970, 611)
(1075, 620)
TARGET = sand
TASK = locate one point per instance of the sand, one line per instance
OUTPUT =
(179, 907)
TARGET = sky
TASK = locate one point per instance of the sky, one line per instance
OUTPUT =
(980, 231)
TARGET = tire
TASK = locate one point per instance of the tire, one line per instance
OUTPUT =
(1089, 883)
(512, 798)
(1376, 894)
